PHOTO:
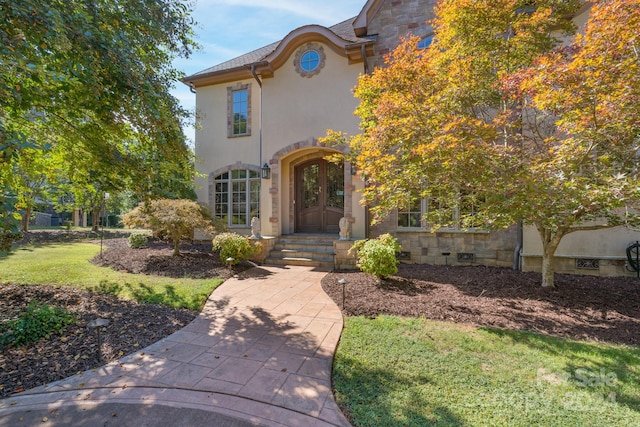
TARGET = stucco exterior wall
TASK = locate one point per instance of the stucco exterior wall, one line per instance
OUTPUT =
(213, 148)
(297, 108)
(293, 112)
(607, 246)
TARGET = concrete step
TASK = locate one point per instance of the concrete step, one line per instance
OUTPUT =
(292, 253)
(321, 249)
(310, 250)
(307, 262)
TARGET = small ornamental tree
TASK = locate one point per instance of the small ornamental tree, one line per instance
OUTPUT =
(175, 220)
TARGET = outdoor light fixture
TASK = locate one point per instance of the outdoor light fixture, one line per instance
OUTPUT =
(266, 171)
(97, 324)
(343, 282)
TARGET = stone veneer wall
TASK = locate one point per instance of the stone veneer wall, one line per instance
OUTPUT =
(398, 18)
(342, 259)
(607, 267)
(487, 248)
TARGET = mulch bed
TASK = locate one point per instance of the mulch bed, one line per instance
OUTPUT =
(132, 325)
(579, 307)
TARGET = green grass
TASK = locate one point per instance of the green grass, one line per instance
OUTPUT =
(391, 371)
(68, 265)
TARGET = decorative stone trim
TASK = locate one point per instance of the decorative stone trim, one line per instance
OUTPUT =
(308, 48)
(230, 91)
(212, 177)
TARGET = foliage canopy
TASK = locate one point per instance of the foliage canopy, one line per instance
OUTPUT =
(88, 82)
(498, 116)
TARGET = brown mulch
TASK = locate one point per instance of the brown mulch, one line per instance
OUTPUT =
(579, 307)
(133, 325)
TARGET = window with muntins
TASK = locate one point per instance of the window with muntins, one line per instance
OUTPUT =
(237, 197)
(239, 110)
(431, 211)
(410, 214)
(309, 59)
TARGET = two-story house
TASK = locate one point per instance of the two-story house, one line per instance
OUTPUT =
(260, 118)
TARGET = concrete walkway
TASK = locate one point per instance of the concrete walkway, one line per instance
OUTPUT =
(259, 354)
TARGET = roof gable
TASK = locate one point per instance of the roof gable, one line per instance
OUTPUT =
(340, 37)
(361, 22)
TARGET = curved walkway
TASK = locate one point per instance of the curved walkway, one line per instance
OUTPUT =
(259, 354)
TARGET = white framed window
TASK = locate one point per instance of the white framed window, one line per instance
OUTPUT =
(236, 197)
(410, 214)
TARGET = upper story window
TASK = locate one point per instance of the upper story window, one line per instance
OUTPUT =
(239, 110)
(426, 41)
(309, 59)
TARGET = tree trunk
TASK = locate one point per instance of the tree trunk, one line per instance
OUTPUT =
(550, 242)
(95, 220)
(176, 247)
(25, 219)
(548, 270)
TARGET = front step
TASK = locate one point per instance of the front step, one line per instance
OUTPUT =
(306, 250)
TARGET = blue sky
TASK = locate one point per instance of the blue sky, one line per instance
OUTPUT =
(229, 28)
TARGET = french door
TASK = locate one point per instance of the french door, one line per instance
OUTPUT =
(319, 190)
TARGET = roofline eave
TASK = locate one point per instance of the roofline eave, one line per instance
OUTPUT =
(229, 74)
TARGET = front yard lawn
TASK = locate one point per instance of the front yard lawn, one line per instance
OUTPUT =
(68, 265)
(393, 371)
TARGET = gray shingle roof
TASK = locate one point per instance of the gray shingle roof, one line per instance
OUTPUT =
(344, 30)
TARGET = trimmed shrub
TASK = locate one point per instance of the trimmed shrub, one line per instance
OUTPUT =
(377, 256)
(137, 240)
(233, 246)
(37, 321)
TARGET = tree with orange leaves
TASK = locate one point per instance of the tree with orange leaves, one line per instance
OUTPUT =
(489, 117)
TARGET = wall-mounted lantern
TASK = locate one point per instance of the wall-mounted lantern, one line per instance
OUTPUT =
(266, 171)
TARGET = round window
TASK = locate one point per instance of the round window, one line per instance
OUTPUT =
(309, 59)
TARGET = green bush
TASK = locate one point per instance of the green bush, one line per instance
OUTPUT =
(234, 246)
(37, 321)
(377, 256)
(7, 238)
(137, 240)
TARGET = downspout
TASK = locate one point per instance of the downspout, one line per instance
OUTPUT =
(363, 52)
(255, 76)
(519, 243)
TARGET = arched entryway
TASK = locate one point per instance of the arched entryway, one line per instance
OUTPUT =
(319, 196)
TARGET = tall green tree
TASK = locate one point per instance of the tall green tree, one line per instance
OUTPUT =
(495, 116)
(91, 74)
